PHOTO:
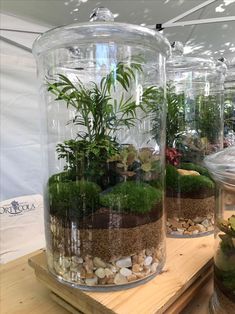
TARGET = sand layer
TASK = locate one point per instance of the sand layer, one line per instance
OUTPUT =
(105, 243)
(189, 208)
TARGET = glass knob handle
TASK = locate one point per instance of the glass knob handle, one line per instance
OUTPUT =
(101, 14)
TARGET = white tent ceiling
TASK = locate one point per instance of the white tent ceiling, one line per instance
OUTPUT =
(210, 39)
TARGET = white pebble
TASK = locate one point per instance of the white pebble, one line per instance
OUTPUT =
(148, 260)
(120, 279)
(125, 272)
(153, 267)
(98, 262)
(180, 230)
(58, 269)
(124, 262)
(77, 259)
(206, 223)
(65, 262)
(100, 273)
(195, 232)
(91, 281)
(108, 272)
(201, 227)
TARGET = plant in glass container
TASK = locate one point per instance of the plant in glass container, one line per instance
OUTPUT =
(190, 190)
(107, 190)
(225, 259)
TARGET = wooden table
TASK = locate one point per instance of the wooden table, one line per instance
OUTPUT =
(22, 294)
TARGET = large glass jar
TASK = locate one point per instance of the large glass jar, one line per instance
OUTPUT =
(104, 162)
(229, 104)
(194, 129)
(222, 167)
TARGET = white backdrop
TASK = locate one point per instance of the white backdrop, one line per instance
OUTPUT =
(21, 209)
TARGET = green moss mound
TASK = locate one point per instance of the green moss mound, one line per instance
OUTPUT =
(65, 176)
(187, 184)
(132, 197)
(73, 199)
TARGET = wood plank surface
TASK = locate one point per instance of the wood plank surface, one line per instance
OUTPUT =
(187, 260)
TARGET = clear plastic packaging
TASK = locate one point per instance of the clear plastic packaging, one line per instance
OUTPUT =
(222, 167)
(194, 129)
(104, 163)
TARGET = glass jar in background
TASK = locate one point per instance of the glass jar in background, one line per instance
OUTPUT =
(229, 104)
(104, 164)
(194, 129)
(222, 167)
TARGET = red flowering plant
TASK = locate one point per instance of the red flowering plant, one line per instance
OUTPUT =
(173, 156)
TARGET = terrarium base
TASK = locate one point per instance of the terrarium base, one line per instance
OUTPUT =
(190, 217)
(163, 294)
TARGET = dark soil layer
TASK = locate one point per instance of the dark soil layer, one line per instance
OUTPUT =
(106, 243)
(192, 195)
(104, 218)
(189, 208)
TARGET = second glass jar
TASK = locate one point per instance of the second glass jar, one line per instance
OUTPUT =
(194, 129)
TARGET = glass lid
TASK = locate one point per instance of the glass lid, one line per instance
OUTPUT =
(222, 166)
(181, 62)
(101, 28)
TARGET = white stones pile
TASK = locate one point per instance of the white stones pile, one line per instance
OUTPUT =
(187, 227)
(94, 271)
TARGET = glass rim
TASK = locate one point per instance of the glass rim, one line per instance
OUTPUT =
(86, 33)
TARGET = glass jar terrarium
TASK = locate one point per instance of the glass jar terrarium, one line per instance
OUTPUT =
(194, 129)
(229, 104)
(104, 164)
(222, 167)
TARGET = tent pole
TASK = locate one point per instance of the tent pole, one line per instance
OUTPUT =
(12, 42)
(196, 8)
(200, 21)
(19, 31)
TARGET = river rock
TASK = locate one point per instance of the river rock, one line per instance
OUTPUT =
(124, 262)
(120, 279)
(136, 268)
(91, 281)
(206, 223)
(125, 272)
(108, 272)
(132, 277)
(98, 262)
(100, 272)
(153, 267)
(77, 259)
(148, 260)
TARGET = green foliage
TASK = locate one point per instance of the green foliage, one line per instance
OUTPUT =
(88, 160)
(132, 197)
(208, 117)
(202, 115)
(225, 270)
(73, 199)
(186, 184)
(96, 111)
(98, 116)
(175, 118)
(227, 226)
(229, 111)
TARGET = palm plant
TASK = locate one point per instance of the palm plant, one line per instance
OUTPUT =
(99, 114)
